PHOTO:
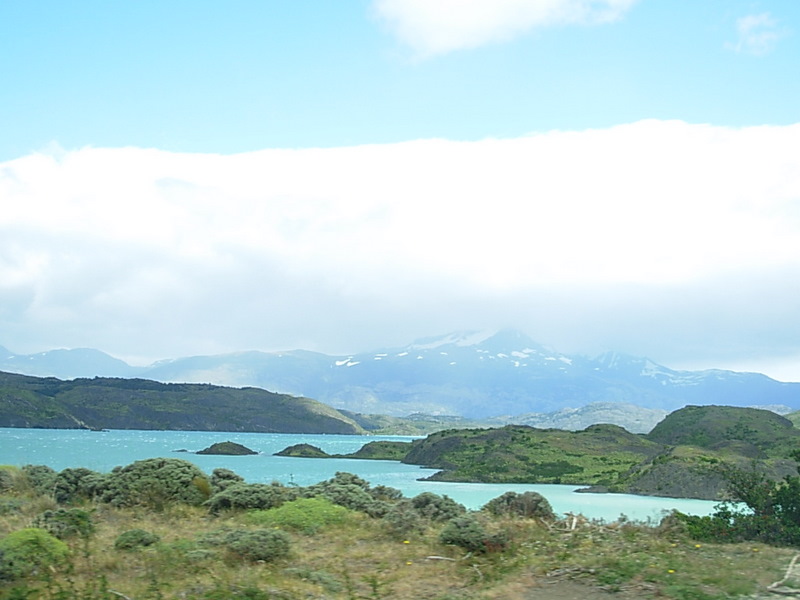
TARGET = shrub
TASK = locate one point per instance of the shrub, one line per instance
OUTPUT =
(222, 479)
(403, 520)
(135, 539)
(252, 545)
(307, 515)
(322, 578)
(353, 497)
(350, 491)
(386, 493)
(469, 533)
(77, 484)
(772, 513)
(41, 478)
(66, 523)
(155, 483)
(530, 505)
(10, 505)
(250, 496)
(26, 551)
(435, 507)
(10, 479)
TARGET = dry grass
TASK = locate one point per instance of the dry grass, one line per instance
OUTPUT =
(360, 559)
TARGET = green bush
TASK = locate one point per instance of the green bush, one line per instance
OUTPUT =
(307, 515)
(469, 533)
(71, 485)
(155, 483)
(10, 478)
(134, 539)
(41, 478)
(10, 505)
(529, 505)
(222, 479)
(386, 493)
(403, 520)
(28, 551)
(350, 491)
(435, 507)
(66, 523)
(251, 496)
(760, 509)
(251, 544)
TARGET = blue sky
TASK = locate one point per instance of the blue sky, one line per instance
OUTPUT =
(195, 177)
(196, 76)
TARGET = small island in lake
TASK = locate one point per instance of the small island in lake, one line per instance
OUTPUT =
(303, 451)
(370, 450)
(227, 449)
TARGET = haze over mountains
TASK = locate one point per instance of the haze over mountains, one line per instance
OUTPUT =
(477, 375)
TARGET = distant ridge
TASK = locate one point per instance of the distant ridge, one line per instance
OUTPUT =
(473, 374)
(115, 403)
(66, 364)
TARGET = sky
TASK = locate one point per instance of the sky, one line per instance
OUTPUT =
(195, 177)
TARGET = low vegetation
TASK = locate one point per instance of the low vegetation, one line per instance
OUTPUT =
(104, 536)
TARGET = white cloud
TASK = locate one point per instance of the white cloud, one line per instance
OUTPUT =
(635, 237)
(433, 27)
(757, 34)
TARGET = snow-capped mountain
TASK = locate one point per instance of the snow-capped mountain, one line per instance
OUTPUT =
(472, 374)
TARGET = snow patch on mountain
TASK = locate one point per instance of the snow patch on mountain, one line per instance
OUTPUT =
(458, 338)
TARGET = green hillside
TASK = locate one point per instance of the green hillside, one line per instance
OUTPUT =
(111, 403)
(682, 457)
(517, 453)
(794, 417)
(753, 432)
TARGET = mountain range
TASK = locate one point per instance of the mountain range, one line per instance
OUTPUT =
(476, 375)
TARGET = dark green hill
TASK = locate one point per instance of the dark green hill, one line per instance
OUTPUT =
(112, 403)
(748, 431)
(794, 417)
(684, 457)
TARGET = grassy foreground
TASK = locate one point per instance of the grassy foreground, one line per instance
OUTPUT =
(412, 550)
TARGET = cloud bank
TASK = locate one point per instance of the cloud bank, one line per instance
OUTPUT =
(432, 27)
(677, 241)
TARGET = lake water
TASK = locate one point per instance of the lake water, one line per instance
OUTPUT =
(102, 451)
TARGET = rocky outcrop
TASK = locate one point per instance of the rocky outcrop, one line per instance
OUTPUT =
(303, 451)
(228, 449)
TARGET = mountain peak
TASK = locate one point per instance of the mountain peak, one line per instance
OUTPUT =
(504, 341)
(456, 338)
(507, 340)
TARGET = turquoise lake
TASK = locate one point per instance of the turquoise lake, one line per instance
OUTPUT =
(102, 451)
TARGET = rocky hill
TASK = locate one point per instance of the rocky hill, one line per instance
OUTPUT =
(673, 461)
(755, 433)
(108, 403)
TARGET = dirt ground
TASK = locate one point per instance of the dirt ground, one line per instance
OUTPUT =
(570, 590)
(557, 588)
